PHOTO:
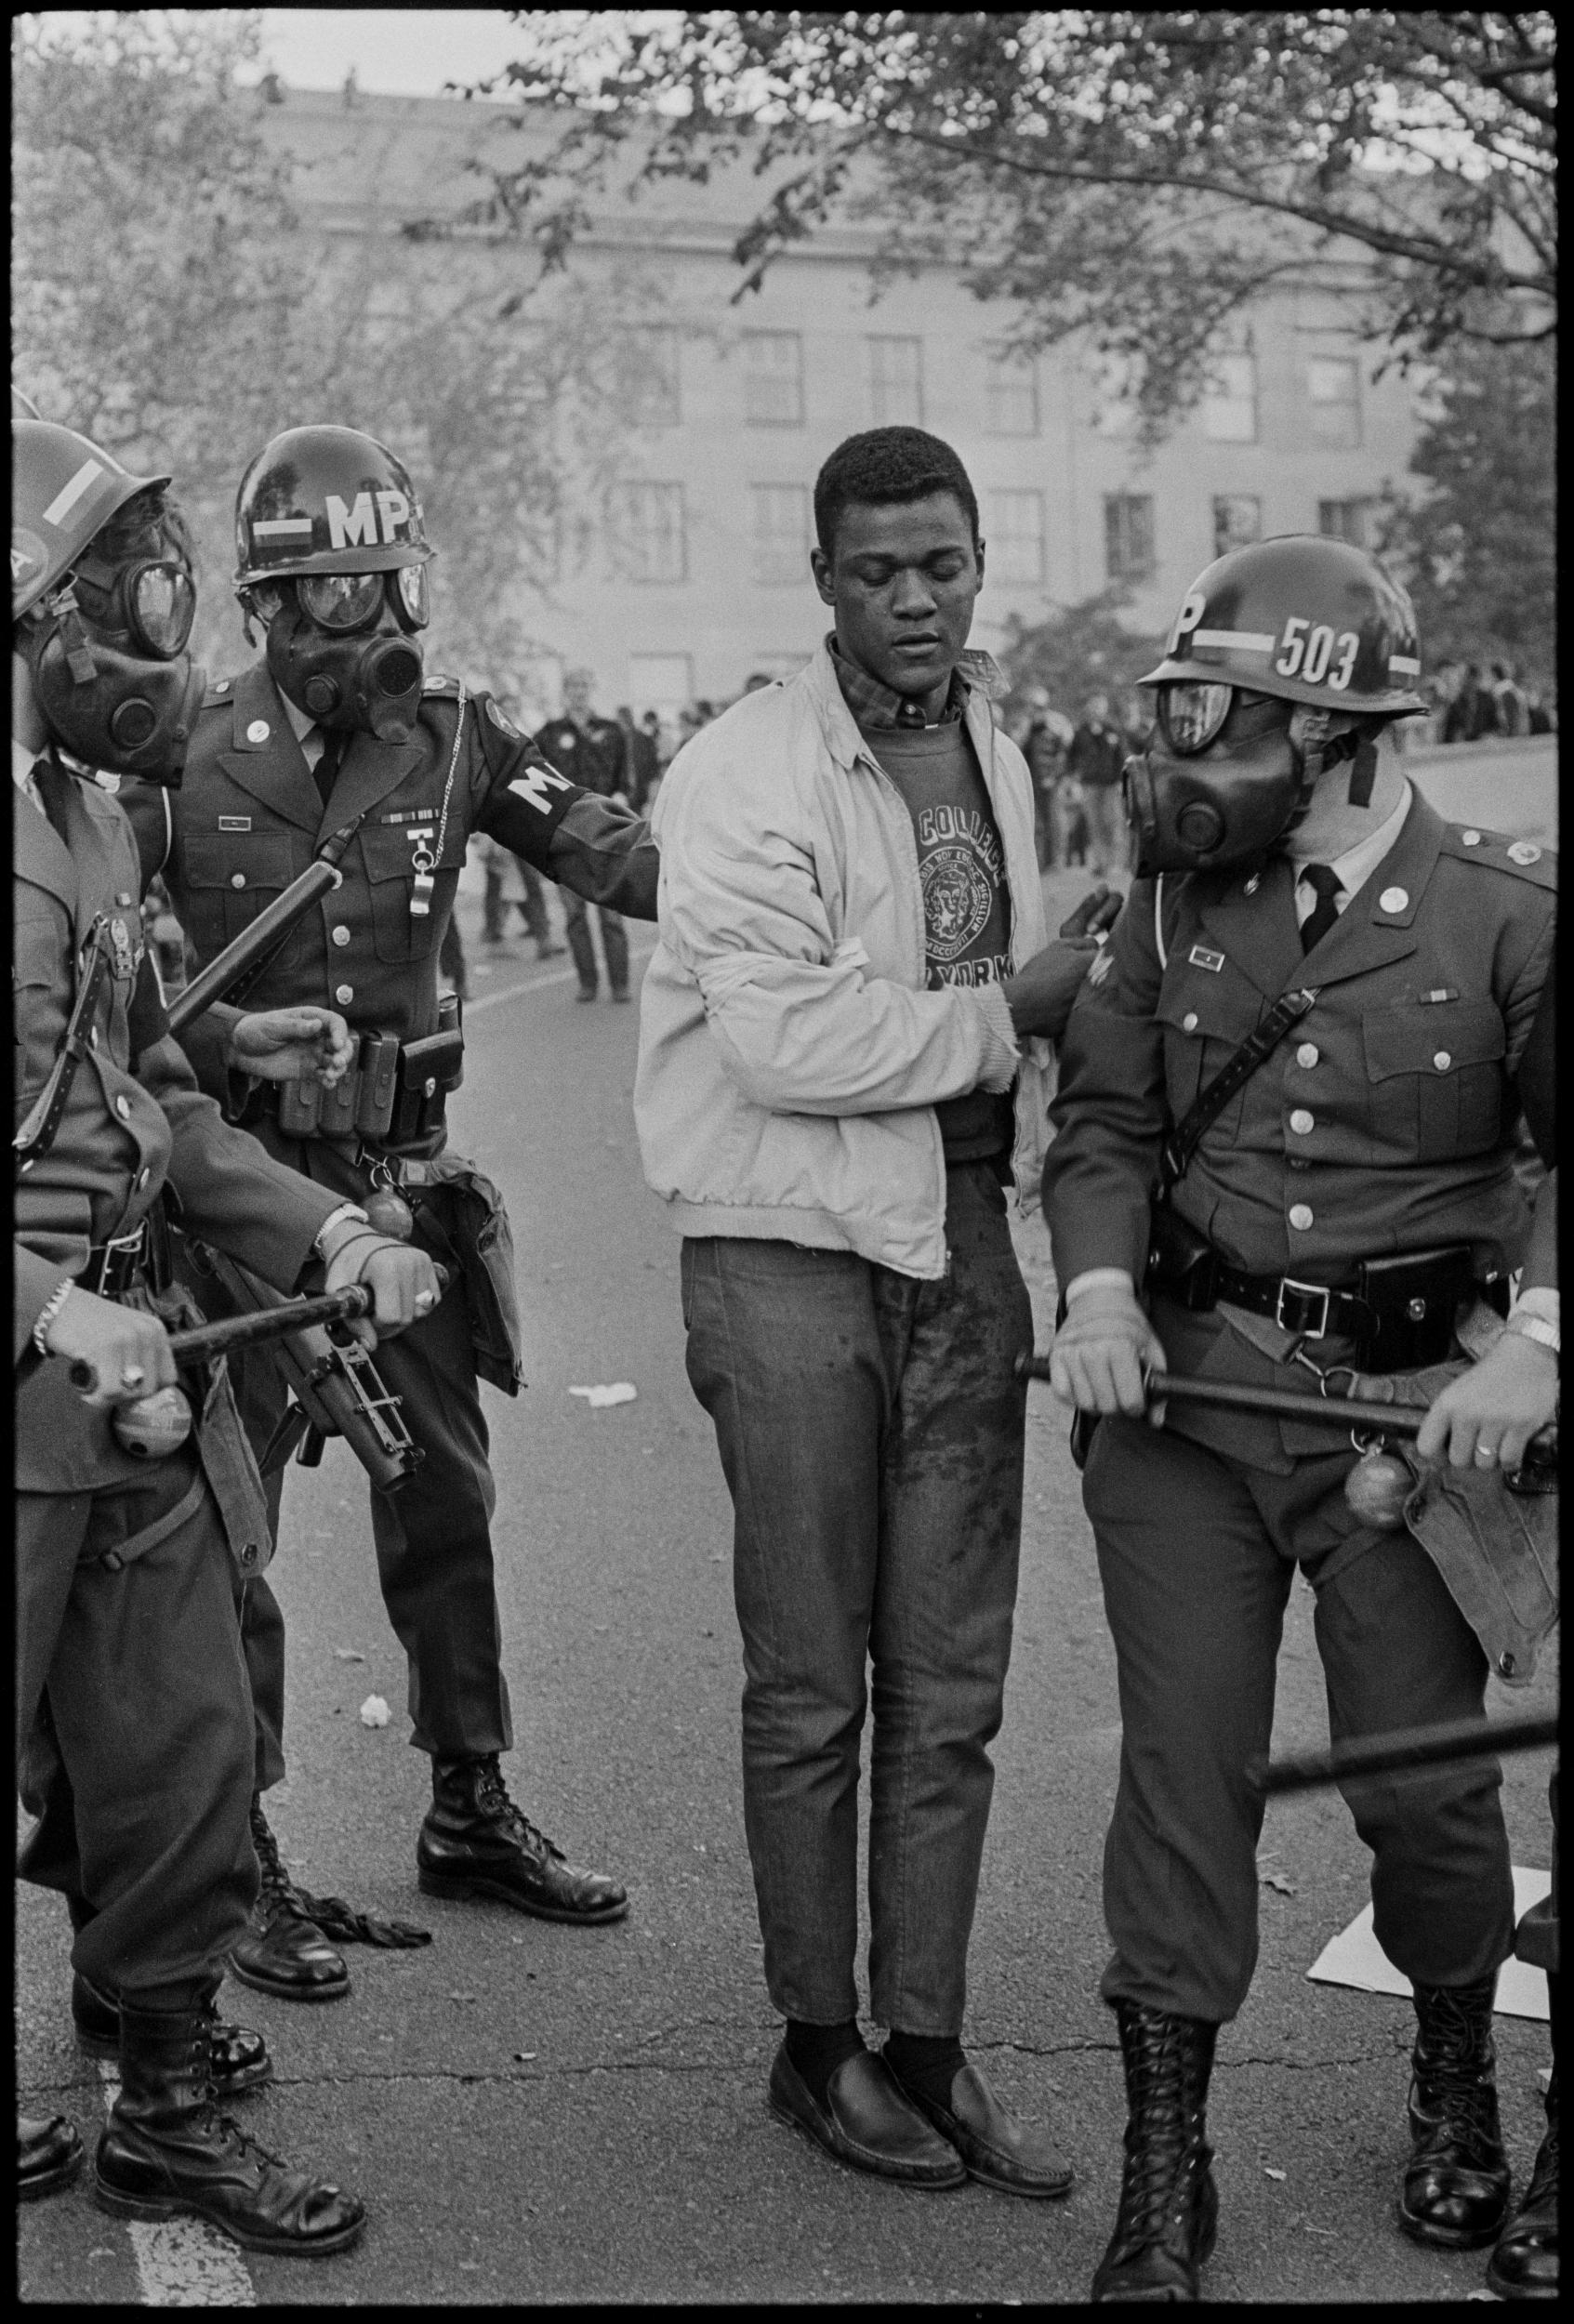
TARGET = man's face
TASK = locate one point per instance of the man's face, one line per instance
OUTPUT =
(903, 581)
(1097, 709)
(577, 696)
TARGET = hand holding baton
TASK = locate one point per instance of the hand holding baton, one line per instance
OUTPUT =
(204, 1342)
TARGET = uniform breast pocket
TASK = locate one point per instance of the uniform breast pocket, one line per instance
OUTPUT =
(1204, 1024)
(1437, 1078)
(228, 879)
(388, 852)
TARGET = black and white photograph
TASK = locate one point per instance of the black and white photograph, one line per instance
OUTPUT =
(785, 1321)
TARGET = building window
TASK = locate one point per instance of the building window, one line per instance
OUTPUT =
(779, 531)
(651, 380)
(1229, 403)
(1015, 535)
(1346, 521)
(895, 382)
(1237, 518)
(1127, 535)
(645, 532)
(773, 379)
(1012, 396)
(1333, 389)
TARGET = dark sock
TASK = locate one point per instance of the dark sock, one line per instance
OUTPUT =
(817, 2051)
(925, 2063)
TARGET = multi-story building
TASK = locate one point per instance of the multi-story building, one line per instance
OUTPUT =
(694, 571)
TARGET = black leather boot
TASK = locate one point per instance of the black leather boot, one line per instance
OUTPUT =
(1524, 2267)
(283, 1950)
(1455, 2190)
(1169, 2213)
(48, 2154)
(238, 2058)
(475, 1843)
(166, 2150)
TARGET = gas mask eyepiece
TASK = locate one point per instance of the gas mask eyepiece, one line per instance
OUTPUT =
(116, 685)
(339, 646)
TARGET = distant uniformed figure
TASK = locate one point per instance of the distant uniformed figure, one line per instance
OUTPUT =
(132, 1718)
(1346, 1201)
(596, 752)
(338, 730)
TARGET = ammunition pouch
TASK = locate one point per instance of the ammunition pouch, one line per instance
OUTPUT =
(395, 1094)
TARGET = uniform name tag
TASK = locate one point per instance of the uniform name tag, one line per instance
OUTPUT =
(234, 823)
(1200, 957)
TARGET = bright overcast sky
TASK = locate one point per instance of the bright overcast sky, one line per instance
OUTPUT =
(398, 52)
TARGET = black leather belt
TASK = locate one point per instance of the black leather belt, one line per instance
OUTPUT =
(113, 1267)
(1313, 1311)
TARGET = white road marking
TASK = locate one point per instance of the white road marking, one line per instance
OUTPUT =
(183, 2263)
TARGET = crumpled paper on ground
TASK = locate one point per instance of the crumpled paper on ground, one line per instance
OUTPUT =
(614, 1392)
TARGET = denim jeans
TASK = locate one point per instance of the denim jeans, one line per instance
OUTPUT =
(871, 1431)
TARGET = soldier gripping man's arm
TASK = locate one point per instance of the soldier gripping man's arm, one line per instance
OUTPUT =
(134, 1720)
(336, 738)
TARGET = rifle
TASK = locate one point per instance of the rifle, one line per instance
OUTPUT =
(1406, 1747)
(336, 1388)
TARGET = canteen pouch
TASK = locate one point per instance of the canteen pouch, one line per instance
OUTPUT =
(1496, 1551)
(472, 1232)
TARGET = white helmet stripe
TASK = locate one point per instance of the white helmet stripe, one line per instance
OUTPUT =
(1245, 640)
(1405, 664)
(69, 495)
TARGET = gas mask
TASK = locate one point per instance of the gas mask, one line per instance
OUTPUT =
(107, 651)
(1228, 773)
(341, 646)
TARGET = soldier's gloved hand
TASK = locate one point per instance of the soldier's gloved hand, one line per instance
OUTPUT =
(1485, 1418)
(306, 1044)
(400, 1277)
(1102, 1352)
(128, 1351)
(1099, 910)
(1040, 995)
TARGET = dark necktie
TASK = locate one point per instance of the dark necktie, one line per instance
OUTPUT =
(51, 786)
(326, 769)
(1323, 912)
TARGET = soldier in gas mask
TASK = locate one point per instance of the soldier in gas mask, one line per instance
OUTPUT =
(1287, 1114)
(135, 1518)
(338, 737)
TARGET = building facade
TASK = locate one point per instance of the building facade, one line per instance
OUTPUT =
(693, 571)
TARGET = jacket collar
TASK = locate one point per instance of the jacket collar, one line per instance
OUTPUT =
(75, 870)
(265, 758)
(844, 740)
(1254, 923)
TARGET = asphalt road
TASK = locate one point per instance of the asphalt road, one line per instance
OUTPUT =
(537, 2114)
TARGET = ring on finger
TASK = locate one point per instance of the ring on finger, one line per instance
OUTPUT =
(132, 1376)
(1485, 1456)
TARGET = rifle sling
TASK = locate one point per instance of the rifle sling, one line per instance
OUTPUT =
(1233, 1076)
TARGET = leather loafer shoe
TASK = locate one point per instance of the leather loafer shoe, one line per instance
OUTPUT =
(997, 2150)
(49, 2155)
(238, 2058)
(286, 1955)
(868, 2120)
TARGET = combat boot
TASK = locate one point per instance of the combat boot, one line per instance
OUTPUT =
(1169, 2213)
(237, 2057)
(1455, 2189)
(283, 1951)
(1524, 2267)
(474, 1842)
(166, 2151)
(48, 2154)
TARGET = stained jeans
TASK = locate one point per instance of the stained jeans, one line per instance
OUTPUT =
(871, 1432)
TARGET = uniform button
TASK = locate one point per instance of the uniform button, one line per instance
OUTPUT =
(257, 731)
(341, 935)
(1307, 1054)
(1442, 1061)
(1301, 1121)
(344, 994)
(123, 1107)
(1394, 900)
(1300, 1216)
(237, 879)
(1188, 1023)
(1470, 838)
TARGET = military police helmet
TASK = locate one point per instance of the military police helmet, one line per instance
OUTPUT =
(63, 491)
(22, 406)
(1302, 618)
(325, 501)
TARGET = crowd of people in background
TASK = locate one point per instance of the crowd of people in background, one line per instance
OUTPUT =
(1079, 816)
(1472, 700)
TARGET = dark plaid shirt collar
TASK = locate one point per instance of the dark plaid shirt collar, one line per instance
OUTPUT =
(873, 705)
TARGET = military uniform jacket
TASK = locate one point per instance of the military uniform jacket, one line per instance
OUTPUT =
(135, 1121)
(248, 819)
(1384, 1121)
(595, 754)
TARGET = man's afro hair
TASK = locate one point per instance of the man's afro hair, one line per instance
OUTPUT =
(886, 466)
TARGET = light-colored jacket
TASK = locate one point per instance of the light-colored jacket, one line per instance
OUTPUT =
(790, 1056)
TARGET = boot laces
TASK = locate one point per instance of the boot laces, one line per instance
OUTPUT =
(1453, 2067)
(1163, 2128)
(492, 1798)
